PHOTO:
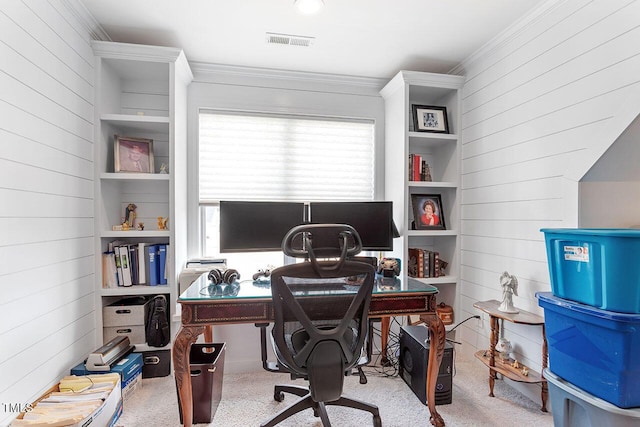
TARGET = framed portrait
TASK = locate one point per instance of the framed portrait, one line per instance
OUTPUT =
(428, 118)
(133, 154)
(427, 212)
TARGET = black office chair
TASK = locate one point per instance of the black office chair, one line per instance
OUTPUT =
(321, 320)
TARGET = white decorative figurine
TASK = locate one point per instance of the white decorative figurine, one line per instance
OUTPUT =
(509, 285)
(505, 348)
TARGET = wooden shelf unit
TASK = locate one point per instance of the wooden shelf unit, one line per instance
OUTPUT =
(497, 366)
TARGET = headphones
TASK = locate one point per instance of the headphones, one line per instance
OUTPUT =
(228, 276)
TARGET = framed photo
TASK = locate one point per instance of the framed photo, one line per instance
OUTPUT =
(427, 212)
(428, 118)
(133, 154)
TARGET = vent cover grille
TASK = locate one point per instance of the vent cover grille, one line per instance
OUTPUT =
(288, 39)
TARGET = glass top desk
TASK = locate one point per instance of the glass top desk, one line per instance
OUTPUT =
(204, 305)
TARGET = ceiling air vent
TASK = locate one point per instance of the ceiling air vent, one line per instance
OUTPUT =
(288, 39)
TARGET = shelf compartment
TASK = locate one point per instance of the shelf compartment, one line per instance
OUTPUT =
(508, 371)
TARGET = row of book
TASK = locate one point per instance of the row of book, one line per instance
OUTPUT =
(127, 264)
(418, 168)
(424, 263)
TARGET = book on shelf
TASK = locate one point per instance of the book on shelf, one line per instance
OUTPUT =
(162, 264)
(424, 263)
(109, 270)
(125, 265)
(135, 264)
(419, 169)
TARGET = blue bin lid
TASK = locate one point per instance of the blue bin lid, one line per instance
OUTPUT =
(604, 232)
(549, 298)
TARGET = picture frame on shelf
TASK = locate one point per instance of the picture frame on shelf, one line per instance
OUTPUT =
(430, 118)
(427, 212)
(133, 154)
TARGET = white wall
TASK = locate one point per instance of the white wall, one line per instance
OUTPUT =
(46, 188)
(245, 89)
(540, 106)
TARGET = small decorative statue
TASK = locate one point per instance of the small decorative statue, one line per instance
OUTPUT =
(509, 285)
(162, 223)
(130, 215)
(140, 226)
(163, 168)
(504, 347)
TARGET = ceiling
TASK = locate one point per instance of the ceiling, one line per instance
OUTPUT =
(369, 38)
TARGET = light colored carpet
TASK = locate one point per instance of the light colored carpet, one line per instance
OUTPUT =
(247, 399)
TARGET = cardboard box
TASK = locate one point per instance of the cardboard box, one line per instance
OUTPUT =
(573, 407)
(128, 367)
(131, 385)
(106, 415)
(595, 266)
(594, 349)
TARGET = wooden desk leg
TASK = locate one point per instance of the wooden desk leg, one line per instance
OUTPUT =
(181, 347)
(437, 335)
(385, 323)
(208, 334)
(495, 331)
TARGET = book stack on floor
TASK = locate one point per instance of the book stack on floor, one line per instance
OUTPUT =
(126, 264)
(592, 323)
(76, 401)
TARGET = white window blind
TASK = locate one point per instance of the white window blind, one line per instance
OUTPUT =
(247, 156)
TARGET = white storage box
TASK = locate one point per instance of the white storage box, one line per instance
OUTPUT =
(134, 332)
(127, 311)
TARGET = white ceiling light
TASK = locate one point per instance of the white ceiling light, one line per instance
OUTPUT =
(308, 7)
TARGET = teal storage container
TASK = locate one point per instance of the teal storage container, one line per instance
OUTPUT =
(594, 349)
(595, 266)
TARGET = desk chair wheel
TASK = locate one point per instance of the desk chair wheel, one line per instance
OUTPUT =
(377, 421)
(278, 396)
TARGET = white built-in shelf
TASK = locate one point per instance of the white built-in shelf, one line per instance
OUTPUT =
(434, 139)
(135, 233)
(125, 176)
(135, 290)
(434, 233)
(137, 122)
(442, 280)
(432, 184)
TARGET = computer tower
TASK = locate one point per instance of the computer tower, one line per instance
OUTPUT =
(414, 358)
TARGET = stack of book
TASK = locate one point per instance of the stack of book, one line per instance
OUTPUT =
(127, 264)
(424, 263)
(418, 168)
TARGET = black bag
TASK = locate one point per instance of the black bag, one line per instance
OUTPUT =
(157, 328)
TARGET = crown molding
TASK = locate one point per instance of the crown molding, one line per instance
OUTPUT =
(222, 73)
(86, 19)
(505, 36)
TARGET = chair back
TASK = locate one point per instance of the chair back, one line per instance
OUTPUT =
(321, 309)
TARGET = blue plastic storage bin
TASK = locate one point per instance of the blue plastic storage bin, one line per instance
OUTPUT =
(595, 266)
(596, 350)
(573, 407)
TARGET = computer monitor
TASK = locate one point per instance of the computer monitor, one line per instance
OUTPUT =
(372, 220)
(257, 226)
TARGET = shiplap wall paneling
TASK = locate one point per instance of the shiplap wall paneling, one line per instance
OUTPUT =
(537, 106)
(46, 188)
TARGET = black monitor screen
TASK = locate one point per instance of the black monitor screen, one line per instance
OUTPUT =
(257, 226)
(372, 220)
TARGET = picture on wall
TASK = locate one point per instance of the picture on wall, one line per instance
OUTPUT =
(428, 118)
(427, 212)
(133, 154)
